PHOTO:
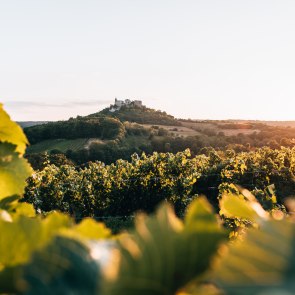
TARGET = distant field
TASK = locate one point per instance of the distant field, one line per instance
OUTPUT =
(280, 123)
(177, 130)
(135, 141)
(230, 132)
(199, 126)
(93, 140)
(60, 144)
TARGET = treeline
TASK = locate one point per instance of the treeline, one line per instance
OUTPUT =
(124, 187)
(161, 140)
(272, 137)
(81, 127)
(138, 139)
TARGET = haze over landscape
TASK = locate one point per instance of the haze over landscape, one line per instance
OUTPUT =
(194, 59)
(147, 147)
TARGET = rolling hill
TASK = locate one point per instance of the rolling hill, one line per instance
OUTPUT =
(108, 136)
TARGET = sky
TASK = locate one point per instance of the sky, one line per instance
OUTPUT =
(199, 59)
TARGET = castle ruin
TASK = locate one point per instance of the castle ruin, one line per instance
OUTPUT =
(125, 103)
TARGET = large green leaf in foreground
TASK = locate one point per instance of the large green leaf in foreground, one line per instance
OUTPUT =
(20, 238)
(13, 171)
(24, 249)
(164, 254)
(64, 267)
(11, 132)
(261, 261)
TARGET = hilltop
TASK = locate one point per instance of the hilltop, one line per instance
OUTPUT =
(136, 112)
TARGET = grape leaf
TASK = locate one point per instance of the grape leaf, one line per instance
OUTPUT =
(11, 132)
(65, 266)
(18, 240)
(235, 206)
(90, 229)
(163, 254)
(261, 262)
(13, 171)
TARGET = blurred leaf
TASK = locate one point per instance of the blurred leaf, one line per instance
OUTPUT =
(24, 209)
(5, 216)
(54, 223)
(199, 216)
(261, 262)
(13, 171)
(163, 255)
(20, 238)
(11, 132)
(9, 279)
(89, 229)
(6, 202)
(63, 267)
(205, 289)
(235, 206)
(16, 208)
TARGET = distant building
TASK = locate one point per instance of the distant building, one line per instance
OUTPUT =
(119, 103)
(138, 103)
(127, 102)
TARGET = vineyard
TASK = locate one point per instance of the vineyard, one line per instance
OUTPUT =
(212, 224)
(58, 144)
(122, 188)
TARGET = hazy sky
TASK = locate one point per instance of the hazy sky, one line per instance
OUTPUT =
(214, 59)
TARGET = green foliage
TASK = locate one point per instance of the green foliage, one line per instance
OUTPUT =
(259, 261)
(142, 183)
(81, 127)
(14, 170)
(100, 190)
(235, 206)
(154, 255)
(11, 132)
(25, 254)
(63, 145)
(35, 255)
(65, 266)
(163, 255)
(75, 136)
(262, 263)
(140, 115)
(40, 161)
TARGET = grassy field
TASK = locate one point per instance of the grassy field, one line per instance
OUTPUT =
(135, 141)
(177, 130)
(280, 123)
(59, 144)
(199, 126)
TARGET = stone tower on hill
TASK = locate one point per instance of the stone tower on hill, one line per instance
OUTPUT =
(127, 102)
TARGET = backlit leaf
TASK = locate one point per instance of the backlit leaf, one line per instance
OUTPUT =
(162, 254)
(261, 262)
(13, 171)
(11, 132)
